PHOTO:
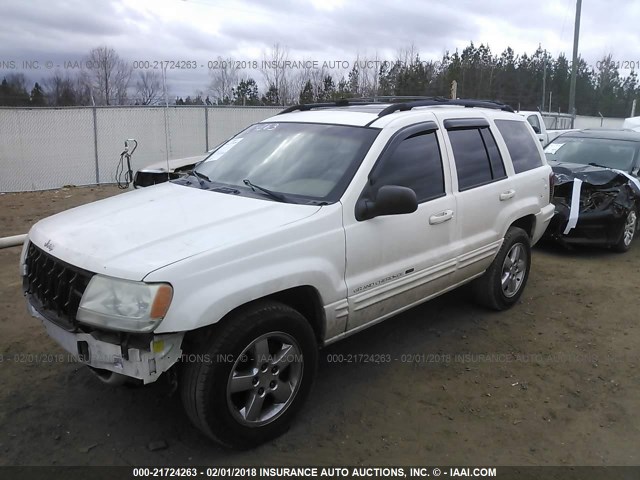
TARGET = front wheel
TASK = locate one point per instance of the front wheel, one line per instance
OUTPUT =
(246, 385)
(503, 283)
(628, 232)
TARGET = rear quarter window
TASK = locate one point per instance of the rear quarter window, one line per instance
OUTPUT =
(521, 145)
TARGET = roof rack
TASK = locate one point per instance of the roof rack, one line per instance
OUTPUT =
(400, 104)
(343, 102)
(400, 107)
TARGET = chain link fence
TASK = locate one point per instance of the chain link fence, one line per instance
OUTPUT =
(46, 148)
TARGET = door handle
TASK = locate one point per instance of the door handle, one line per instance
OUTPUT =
(507, 195)
(441, 217)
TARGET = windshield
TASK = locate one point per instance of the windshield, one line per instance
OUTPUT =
(314, 161)
(617, 154)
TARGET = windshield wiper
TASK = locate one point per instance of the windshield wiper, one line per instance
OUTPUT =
(274, 195)
(199, 176)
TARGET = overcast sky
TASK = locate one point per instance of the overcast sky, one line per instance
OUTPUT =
(319, 30)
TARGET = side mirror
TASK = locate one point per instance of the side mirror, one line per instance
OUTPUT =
(536, 129)
(391, 200)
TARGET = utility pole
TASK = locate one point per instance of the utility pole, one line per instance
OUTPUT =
(574, 63)
(544, 80)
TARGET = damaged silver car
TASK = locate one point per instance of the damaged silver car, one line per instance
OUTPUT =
(597, 190)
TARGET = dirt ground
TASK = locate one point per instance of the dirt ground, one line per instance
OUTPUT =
(553, 381)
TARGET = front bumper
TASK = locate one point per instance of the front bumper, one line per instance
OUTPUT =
(602, 228)
(144, 360)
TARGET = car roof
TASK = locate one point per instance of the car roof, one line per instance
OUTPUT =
(379, 114)
(604, 134)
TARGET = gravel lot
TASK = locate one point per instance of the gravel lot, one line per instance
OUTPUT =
(553, 381)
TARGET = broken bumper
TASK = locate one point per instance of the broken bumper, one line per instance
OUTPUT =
(543, 218)
(600, 228)
(100, 350)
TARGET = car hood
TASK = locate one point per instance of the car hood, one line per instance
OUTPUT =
(598, 176)
(130, 235)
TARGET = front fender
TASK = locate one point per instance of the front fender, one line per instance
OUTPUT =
(209, 286)
(211, 301)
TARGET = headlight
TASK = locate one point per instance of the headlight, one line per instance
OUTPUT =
(124, 305)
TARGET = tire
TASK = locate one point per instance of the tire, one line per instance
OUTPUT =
(252, 346)
(628, 233)
(501, 286)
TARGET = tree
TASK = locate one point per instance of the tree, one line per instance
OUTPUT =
(328, 90)
(246, 93)
(148, 88)
(37, 96)
(60, 91)
(4, 92)
(277, 75)
(109, 76)
(13, 91)
(306, 95)
(270, 97)
(223, 80)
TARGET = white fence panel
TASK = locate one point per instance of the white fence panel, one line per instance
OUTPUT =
(597, 122)
(45, 148)
(115, 125)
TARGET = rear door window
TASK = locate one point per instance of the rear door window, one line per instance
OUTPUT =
(521, 145)
(476, 156)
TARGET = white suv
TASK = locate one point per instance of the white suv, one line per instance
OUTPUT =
(297, 232)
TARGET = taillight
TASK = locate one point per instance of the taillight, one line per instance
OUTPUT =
(552, 185)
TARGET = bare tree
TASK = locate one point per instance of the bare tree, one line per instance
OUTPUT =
(60, 90)
(223, 80)
(277, 75)
(148, 87)
(109, 76)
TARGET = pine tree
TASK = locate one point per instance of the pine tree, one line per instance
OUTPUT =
(37, 96)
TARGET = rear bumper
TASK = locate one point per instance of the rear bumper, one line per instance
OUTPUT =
(145, 361)
(543, 218)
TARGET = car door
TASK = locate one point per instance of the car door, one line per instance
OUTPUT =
(482, 191)
(396, 261)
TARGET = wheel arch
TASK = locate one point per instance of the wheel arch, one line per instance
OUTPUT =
(305, 299)
(526, 223)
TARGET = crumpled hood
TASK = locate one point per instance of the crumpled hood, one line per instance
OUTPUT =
(133, 234)
(598, 176)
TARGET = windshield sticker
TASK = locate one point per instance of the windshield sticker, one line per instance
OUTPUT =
(224, 149)
(553, 148)
(266, 126)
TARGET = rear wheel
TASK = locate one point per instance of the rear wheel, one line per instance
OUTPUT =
(503, 283)
(628, 233)
(246, 385)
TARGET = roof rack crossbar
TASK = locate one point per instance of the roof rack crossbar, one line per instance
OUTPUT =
(343, 102)
(399, 107)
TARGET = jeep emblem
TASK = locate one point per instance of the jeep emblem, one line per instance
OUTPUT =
(49, 245)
